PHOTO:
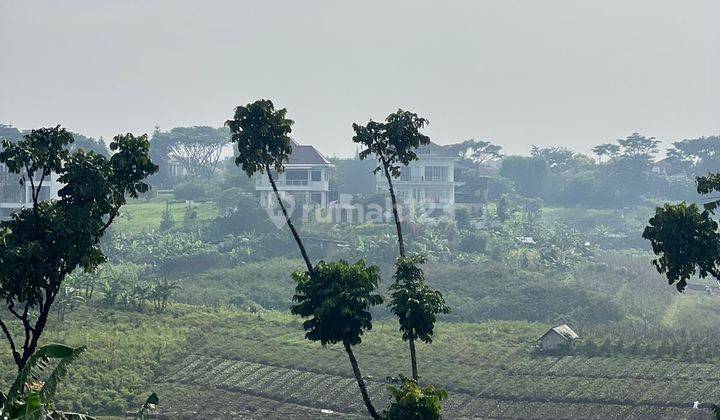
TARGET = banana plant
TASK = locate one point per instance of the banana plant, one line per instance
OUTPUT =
(29, 397)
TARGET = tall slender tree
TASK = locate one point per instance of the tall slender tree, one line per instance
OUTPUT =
(416, 304)
(392, 143)
(335, 296)
(262, 136)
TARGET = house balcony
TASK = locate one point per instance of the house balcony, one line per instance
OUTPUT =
(292, 185)
(420, 180)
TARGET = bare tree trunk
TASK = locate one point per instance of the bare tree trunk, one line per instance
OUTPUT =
(295, 234)
(401, 243)
(413, 359)
(360, 381)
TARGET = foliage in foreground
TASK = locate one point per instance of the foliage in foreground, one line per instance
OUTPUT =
(43, 244)
(337, 297)
(30, 397)
(410, 401)
(415, 304)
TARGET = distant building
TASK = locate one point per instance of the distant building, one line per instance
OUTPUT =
(174, 168)
(16, 193)
(428, 181)
(305, 178)
(557, 337)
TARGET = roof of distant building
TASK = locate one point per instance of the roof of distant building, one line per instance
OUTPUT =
(564, 331)
(306, 155)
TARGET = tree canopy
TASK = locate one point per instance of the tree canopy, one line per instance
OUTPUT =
(686, 239)
(337, 301)
(392, 142)
(42, 244)
(89, 144)
(197, 149)
(476, 151)
(262, 136)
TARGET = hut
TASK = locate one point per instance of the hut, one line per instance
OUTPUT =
(557, 337)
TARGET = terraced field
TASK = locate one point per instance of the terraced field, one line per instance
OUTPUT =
(547, 388)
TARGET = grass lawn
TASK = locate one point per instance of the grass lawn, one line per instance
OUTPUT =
(144, 215)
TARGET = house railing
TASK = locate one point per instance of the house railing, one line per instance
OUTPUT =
(416, 179)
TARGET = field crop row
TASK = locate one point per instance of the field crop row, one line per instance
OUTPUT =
(508, 395)
(614, 367)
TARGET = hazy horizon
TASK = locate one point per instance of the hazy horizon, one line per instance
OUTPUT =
(516, 73)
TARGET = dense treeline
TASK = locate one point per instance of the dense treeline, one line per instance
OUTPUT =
(625, 173)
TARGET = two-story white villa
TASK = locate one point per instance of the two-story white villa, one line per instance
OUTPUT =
(305, 178)
(428, 181)
(15, 194)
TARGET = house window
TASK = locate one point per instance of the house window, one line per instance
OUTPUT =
(316, 176)
(405, 174)
(12, 193)
(436, 173)
(316, 198)
(295, 177)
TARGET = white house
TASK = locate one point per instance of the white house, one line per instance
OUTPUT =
(305, 178)
(428, 181)
(15, 194)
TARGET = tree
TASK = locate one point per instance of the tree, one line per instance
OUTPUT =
(337, 297)
(89, 144)
(477, 151)
(559, 159)
(393, 143)
(686, 239)
(41, 245)
(637, 145)
(197, 149)
(262, 136)
(415, 304)
(528, 173)
(606, 149)
(701, 154)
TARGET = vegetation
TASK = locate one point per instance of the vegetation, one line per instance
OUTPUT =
(414, 402)
(31, 397)
(43, 244)
(337, 298)
(263, 142)
(415, 303)
(687, 240)
(186, 291)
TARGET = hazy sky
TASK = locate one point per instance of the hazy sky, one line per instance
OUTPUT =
(550, 72)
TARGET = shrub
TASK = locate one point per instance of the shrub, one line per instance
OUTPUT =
(473, 242)
(410, 401)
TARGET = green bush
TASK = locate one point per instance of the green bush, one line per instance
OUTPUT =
(473, 242)
(410, 401)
